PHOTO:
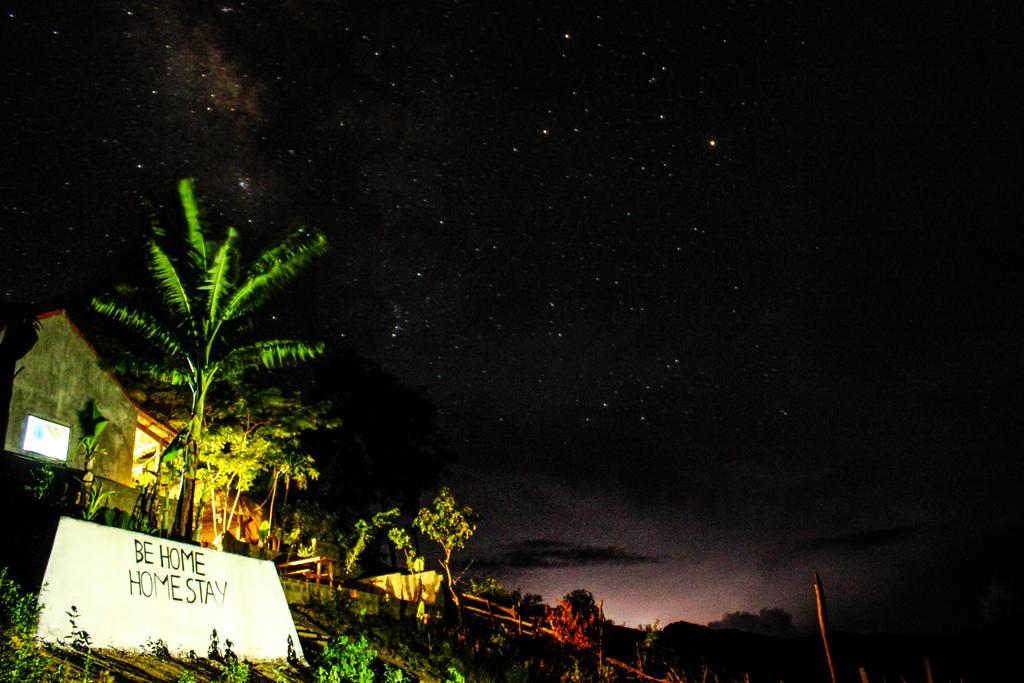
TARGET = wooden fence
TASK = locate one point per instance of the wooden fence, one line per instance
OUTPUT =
(534, 626)
(496, 613)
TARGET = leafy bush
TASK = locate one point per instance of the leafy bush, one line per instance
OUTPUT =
(345, 660)
(355, 661)
(574, 620)
(306, 520)
(41, 481)
(453, 675)
(487, 587)
(363, 532)
(235, 671)
(22, 657)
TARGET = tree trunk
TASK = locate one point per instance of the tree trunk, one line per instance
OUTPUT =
(198, 519)
(88, 478)
(446, 565)
(183, 511)
(231, 517)
(213, 512)
(273, 495)
(150, 511)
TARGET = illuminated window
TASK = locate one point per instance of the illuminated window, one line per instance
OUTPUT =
(46, 438)
(146, 454)
(151, 439)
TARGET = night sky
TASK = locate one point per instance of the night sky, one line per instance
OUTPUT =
(709, 295)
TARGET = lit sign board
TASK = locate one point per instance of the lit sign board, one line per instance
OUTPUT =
(131, 589)
(46, 438)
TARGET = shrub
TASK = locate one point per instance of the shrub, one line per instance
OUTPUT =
(235, 671)
(41, 481)
(22, 657)
(453, 675)
(344, 660)
(574, 620)
(487, 587)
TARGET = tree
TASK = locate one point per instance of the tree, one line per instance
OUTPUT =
(206, 298)
(403, 542)
(290, 420)
(390, 450)
(252, 431)
(451, 527)
(93, 424)
(233, 455)
(575, 619)
(363, 532)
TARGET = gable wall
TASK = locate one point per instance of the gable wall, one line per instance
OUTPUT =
(56, 379)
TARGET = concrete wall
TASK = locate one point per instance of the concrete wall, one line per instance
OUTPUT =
(407, 587)
(299, 593)
(56, 379)
(130, 589)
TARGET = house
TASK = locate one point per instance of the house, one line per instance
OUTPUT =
(57, 379)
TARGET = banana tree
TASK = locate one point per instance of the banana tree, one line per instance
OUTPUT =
(93, 423)
(206, 297)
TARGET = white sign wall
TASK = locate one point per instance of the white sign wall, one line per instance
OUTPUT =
(130, 589)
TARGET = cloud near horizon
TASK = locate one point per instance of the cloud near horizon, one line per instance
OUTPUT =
(862, 541)
(545, 553)
(773, 622)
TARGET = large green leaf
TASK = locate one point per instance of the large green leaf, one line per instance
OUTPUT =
(218, 277)
(193, 223)
(274, 269)
(173, 292)
(155, 228)
(153, 370)
(272, 353)
(142, 323)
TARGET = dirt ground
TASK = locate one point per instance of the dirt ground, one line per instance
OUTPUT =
(119, 666)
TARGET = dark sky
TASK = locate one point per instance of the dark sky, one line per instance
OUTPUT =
(709, 295)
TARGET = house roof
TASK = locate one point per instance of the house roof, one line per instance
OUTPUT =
(146, 421)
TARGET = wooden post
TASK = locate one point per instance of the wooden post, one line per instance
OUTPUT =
(819, 594)
(863, 675)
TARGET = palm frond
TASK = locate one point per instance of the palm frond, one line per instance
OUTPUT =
(150, 369)
(193, 222)
(218, 281)
(271, 353)
(143, 323)
(154, 221)
(274, 269)
(169, 283)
